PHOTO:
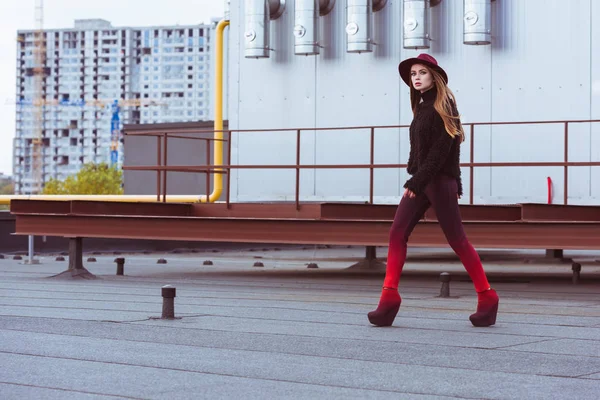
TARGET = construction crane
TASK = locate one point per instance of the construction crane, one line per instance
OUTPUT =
(38, 72)
(115, 133)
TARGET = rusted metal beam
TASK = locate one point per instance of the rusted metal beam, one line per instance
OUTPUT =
(558, 212)
(257, 210)
(99, 208)
(540, 235)
(472, 212)
(153, 209)
(40, 206)
(323, 211)
(387, 212)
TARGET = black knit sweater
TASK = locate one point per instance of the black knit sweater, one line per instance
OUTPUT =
(433, 151)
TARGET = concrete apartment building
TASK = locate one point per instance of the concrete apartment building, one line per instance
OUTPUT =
(159, 74)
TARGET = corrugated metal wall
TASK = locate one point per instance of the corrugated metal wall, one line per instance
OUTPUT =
(544, 64)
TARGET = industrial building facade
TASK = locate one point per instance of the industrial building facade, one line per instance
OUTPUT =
(157, 74)
(319, 64)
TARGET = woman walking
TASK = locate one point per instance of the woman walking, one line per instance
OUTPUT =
(435, 137)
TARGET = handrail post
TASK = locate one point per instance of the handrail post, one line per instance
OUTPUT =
(208, 143)
(158, 163)
(298, 169)
(371, 168)
(229, 169)
(566, 168)
(164, 188)
(471, 167)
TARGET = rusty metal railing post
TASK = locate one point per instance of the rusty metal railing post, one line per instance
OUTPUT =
(298, 169)
(207, 173)
(566, 168)
(158, 163)
(471, 167)
(164, 188)
(371, 168)
(229, 169)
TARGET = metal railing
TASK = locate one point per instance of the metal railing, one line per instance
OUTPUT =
(162, 166)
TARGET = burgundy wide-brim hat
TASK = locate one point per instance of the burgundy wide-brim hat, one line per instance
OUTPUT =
(425, 59)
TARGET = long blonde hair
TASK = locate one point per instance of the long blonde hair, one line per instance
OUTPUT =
(445, 105)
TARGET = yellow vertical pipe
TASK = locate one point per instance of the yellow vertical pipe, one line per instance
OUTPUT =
(218, 126)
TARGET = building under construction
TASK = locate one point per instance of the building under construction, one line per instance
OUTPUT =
(157, 74)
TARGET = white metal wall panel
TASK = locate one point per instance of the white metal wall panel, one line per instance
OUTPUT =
(541, 42)
(542, 65)
(357, 90)
(276, 92)
(234, 48)
(594, 191)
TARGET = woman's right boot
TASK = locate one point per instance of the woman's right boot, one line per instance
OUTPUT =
(388, 307)
(487, 308)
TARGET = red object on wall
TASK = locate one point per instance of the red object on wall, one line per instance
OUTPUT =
(549, 190)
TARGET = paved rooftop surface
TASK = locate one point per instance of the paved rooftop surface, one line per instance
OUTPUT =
(286, 331)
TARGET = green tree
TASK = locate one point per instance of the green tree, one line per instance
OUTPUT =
(91, 179)
(7, 187)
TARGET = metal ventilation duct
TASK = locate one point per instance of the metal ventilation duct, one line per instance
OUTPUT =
(258, 14)
(477, 22)
(306, 25)
(359, 24)
(416, 24)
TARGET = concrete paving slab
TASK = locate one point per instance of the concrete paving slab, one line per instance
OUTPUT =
(356, 328)
(321, 371)
(371, 350)
(136, 381)
(186, 306)
(18, 391)
(564, 346)
(285, 331)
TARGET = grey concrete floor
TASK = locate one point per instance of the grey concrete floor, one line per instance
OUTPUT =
(286, 331)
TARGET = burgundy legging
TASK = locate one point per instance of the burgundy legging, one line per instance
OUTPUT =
(442, 194)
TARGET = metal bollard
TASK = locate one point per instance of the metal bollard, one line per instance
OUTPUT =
(445, 279)
(576, 268)
(120, 265)
(168, 294)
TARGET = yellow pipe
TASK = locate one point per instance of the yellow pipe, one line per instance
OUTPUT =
(218, 152)
(218, 134)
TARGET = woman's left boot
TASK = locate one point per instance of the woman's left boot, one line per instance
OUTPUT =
(388, 307)
(487, 308)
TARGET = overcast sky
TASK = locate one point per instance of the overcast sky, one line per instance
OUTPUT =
(19, 14)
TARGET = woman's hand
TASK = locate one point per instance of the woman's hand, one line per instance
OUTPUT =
(409, 193)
